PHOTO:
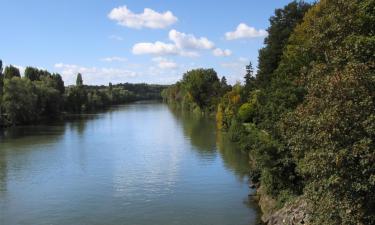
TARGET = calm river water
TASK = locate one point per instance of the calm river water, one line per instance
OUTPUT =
(137, 164)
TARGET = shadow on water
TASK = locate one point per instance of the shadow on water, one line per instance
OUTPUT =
(202, 133)
(14, 139)
(200, 130)
(233, 158)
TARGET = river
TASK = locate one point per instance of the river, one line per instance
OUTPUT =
(136, 164)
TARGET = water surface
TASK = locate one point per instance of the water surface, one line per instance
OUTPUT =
(138, 164)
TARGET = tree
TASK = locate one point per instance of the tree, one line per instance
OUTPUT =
(76, 99)
(249, 79)
(79, 81)
(1, 82)
(1, 91)
(19, 100)
(58, 83)
(281, 26)
(110, 86)
(247, 112)
(32, 73)
(331, 134)
(49, 101)
(11, 71)
(225, 87)
(223, 81)
(203, 86)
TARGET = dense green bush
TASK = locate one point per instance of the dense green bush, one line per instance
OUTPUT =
(19, 100)
(199, 91)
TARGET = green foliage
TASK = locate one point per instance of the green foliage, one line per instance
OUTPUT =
(41, 95)
(228, 107)
(49, 101)
(246, 112)
(249, 110)
(332, 138)
(225, 87)
(281, 26)
(76, 99)
(32, 73)
(199, 91)
(83, 98)
(19, 100)
(79, 80)
(1, 84)
(249, 78)
(307, 120)
(58, 83)
(203, 86)
(331, 134)
(11, 71)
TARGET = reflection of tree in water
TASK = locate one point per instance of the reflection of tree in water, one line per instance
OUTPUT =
(16, 138)
(233, 158)
(203, 135)
(3, 173)
(78, 122)
(200, 130)
(238, 162)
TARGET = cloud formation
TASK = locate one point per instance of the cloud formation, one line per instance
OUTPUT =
(244, 31)
(181, 44)
(157, 48)
(189, 41)
(221, 52)
(164, 63)
(148, 19)
(114, 59)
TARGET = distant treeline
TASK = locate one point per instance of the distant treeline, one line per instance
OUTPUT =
(42, 95)
(307, 117)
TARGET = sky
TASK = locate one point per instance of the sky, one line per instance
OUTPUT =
(120, 41)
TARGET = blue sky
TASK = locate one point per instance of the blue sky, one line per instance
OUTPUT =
(120, 41)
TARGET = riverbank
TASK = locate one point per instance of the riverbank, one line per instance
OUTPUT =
(63, 116)
(292, 213)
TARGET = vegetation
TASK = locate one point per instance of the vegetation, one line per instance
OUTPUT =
(41, 95)
(307, 117)
(199, 91)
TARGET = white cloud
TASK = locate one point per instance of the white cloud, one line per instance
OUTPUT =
(157, 48)
(182, 44)
(164, 63)
(189, 54)
(149, 18)
(189, 41)
(93, 75)
(221, 52)
(244, 31)
(116, 37)
(114, 59)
